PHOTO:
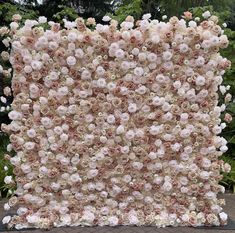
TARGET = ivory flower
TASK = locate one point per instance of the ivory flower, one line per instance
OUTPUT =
(106, 18)
(206, 14)
(71, 61)
(6, 219)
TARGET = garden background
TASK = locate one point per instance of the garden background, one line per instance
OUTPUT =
(56, 10)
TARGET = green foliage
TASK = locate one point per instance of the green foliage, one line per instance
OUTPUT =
(133, 8)
(4, 141)
(65, 13)
(229, 178)
(7, 10)
(229, 53)
(223, 16)
(176, 7)
(83, 8)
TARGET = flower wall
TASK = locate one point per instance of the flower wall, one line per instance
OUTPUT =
(116, 124)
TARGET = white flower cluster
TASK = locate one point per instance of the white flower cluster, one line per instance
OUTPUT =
(117, 126)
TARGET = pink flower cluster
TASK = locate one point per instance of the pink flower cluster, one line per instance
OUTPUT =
(117, 126)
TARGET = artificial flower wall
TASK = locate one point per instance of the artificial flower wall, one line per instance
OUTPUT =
(116, 124)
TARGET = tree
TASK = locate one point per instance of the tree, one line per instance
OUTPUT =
(84, 8)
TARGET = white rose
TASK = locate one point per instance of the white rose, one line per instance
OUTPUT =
(113, 220)
(223, 148)
(92, 173)
(167, 186)
(14, 25)
(3, 99)
(106, 18)
(146, 16)
(75, 178)
(22, 211)
(66, 219)
(8, 179)
(71, 61)
(6, 219)
(32, 219)
(42, 19)
(132, 107)
(155, 39)
(133, 219)
(25, 168)
(31, 133)
(192, 24)
(72, 36)
(185, 217)
(152, 155)
(206, 14)
(6, 206)
(224, 25)
(88, 216)
(210, 195)
(14, 115)
(223, 216)
(222, 89)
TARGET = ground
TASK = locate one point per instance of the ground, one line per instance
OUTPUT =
(229, 208)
